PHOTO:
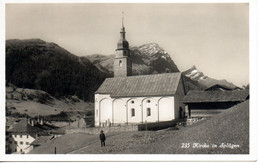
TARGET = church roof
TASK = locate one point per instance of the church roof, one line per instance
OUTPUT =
(143, 85)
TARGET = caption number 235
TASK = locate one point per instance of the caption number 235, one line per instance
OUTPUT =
(185, 145)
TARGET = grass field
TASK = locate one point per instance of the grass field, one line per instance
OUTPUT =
(229, 127)
(36, 102)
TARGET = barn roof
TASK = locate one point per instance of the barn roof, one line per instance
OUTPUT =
(216, 96)
(143, 85)
(42, 139)
(24, 127)
(220, 86)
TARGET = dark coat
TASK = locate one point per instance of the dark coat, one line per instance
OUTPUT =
(102, 136)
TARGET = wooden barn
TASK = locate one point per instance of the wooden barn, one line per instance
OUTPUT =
(207, 103)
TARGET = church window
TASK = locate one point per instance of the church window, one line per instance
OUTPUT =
(120, 63)
(132, 101)
(21, 142)
(132, 112)
(148, 111)
(148, 101)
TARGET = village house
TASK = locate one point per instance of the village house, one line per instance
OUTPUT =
(23, 133)
(206, 103)
(127, 99)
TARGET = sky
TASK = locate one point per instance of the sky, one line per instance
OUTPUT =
(214, 37)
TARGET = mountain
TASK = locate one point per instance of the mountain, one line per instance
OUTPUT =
(36, 64)
(102, 62)
(146, 59)
(40, 65)
(203, 81)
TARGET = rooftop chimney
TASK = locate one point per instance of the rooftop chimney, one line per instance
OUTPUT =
(32, 123)
(41, 121)
(29, 121)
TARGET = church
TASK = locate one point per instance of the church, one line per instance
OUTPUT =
(126, 99)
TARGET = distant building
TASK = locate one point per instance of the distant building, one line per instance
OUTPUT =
(23, 133)
(201, 103)
(127, 99)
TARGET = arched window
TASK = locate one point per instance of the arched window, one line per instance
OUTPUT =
(148, 111)
(148, 101)
(120, 63)
(132, 112)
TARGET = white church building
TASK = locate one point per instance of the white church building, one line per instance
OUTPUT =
(127, 99)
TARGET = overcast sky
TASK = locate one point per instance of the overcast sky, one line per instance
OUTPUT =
(213, 37)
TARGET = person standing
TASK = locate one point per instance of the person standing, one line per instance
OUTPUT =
(102, 138)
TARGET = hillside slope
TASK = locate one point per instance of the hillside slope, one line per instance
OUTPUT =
(36, 102)
(37, 64)
(229, 127)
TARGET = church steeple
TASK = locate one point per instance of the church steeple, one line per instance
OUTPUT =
(122, 61)
(122, 43)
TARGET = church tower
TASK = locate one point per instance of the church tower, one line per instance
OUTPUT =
(122, 60)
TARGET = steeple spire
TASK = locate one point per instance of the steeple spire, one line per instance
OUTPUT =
(123, 28)
(123, 19)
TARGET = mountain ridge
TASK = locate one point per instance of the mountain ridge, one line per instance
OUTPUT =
(204, 81)
(36, 64)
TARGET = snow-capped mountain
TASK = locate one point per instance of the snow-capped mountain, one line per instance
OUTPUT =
(204, 81)
(151, 48)
(146, 59)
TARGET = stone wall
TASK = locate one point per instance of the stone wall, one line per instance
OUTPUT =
(157, 125)
(96, 130)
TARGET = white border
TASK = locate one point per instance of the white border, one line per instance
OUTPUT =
(139, 157)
